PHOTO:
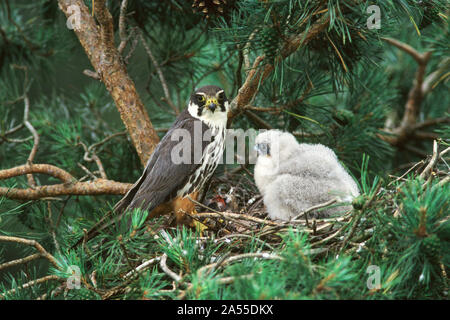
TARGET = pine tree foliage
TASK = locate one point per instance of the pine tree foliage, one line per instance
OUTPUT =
(348, 87)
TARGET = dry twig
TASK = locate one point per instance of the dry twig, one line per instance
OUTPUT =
(20, 261)
(160, 75)
(35, 244)
(97, 187)
(263, 255)
(165, 268)
(31, 283)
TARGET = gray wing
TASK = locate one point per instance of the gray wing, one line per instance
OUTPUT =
(162, 178)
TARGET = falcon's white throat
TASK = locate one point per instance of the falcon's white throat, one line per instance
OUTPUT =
(217, 118)
(211, 155)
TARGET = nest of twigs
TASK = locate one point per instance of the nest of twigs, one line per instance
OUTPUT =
(233, 210)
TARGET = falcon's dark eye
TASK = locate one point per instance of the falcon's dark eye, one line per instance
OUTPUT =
(221, 96)
(201, 98)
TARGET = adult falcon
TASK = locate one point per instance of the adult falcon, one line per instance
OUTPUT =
(182, 162)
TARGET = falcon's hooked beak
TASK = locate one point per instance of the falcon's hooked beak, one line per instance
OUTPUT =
(211, 104)
(262, 149)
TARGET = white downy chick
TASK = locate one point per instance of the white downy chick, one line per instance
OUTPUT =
(293, 177)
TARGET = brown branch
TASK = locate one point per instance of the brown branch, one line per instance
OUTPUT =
(143, 266)
(20, 261)
(431, 122)
(37, 168)
(263, 255)
(408, 124)
(425, 135)
(101, 169)
(94, 158)
(415, 95)
(257, 121)
(318, 206)
(89, 188)
(11, 131)
(98, 43)
(406, 48)
(31, 283)
(98, 144)
(432, 162)
(27, 124)
(287, 106)
(133, 45)
(436, 76)
(89, 173)
(28, 42)
(35, 244)
(264, 109)
(105, 19)
(257, 75)
(122, 27)
(31, 181)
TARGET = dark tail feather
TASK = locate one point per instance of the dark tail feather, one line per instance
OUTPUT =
(119, 208)
(97, 228)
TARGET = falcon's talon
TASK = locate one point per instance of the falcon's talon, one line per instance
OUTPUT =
(200, 227)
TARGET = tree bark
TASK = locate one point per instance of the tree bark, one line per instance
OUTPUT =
(89, 188)
(98, 43)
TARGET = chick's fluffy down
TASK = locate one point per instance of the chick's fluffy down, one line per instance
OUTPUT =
(295, 177)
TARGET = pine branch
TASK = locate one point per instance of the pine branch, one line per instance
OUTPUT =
(422, 86)
(26, 123)
(94, 158)
(262, 255)
(31, 283)
(160, 75)
(35, 244)
(258, 74)
(48, 169)
(122, 27)
(432, 162)
(89, 188)
(98, 44)
(20, 261)
(286, 106)
(436, 76)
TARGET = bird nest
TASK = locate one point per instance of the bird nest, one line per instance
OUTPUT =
(234, 210)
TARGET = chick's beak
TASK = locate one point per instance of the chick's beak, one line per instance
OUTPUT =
(262, 149)
(256, 148)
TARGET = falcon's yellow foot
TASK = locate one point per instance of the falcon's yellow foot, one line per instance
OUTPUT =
(200, 227)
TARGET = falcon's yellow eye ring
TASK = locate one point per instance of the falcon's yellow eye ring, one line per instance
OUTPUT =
(201, 98)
